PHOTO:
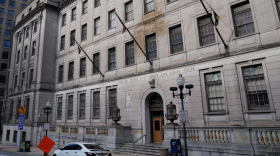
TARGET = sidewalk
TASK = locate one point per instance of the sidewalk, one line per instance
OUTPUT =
(36, 151)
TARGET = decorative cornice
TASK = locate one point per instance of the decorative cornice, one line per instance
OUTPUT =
(33, 13)
(65, 3)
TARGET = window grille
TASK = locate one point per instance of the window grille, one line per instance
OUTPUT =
(83, 67)
(129, 53)
(243, 19)
(112, 59)
(176, 39)
(206, 31)
(151, 46)
(112, 100)
(214, 90)
(96, 104)
(129, 11)
(82, 105)
(256, 89)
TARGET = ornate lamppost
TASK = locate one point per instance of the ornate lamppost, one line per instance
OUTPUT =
(47, 110)
(116, 116)
(181, 83)
(171, 113)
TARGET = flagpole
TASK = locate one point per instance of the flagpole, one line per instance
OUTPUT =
(151, 63)
(226, 47)
(88, 57)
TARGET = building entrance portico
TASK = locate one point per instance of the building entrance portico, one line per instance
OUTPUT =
(153, 117)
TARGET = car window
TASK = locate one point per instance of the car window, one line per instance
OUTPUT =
(68, 147)
(92, 146)
(76, 147)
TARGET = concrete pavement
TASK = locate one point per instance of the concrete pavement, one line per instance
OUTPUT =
(34, 151)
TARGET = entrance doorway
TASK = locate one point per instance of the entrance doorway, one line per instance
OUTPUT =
(156, 118)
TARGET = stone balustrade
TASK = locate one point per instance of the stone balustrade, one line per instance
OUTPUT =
(267, 136)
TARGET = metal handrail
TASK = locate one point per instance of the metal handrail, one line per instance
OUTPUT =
(137, 141)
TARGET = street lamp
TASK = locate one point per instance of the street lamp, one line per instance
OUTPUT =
(171, 113)
(22, 100)
(180, 83)
(47, 110)
(116, 115)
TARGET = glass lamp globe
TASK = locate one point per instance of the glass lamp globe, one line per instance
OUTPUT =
(180, 80)
(48, 104)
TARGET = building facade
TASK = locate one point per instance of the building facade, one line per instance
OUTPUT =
(235, 99)
(8, 11)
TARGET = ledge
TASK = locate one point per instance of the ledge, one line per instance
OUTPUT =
(259, 111)
(217, 113)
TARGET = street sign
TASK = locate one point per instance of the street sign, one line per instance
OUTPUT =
(20, 123)
(21, 117)
(20, 127)
(46, 145)
(22, 110)
(183, 116)
(46, 126)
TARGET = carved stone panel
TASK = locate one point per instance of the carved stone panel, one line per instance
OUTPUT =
(128, 99)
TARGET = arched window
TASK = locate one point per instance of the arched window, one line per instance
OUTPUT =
(156, 99)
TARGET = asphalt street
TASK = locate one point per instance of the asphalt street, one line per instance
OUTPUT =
(2, 153)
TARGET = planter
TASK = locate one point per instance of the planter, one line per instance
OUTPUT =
(163, 151)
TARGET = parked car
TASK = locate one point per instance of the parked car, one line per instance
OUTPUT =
(82, 149)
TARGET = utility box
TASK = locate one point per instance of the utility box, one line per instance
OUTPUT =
(175, 145)
(26, 146)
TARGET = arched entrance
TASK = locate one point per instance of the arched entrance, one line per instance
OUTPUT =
(154, 118)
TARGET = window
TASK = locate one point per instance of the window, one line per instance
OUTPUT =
(11, 109)
(2, 2)
(59, 108)
(2, 94)
(97, 26)
(1, 10)
(151, 46)
(15, 82)
(18, 56)
(169, 1)
(206, 31)
(35, 27)
(29, 10)
(10, 13)
(5, 55)
(256, 89)
(112, 100)
(112, 59)
(33, 48)
(128, 11)
(63, 20)
(70, 107)
(9, 23)
(23, 6)
(96, 3)
(23, 136)
(27, 32)
(30, 77)
(214, 92)
(18, 106)
(243, 19)
(27, 100)
(6, 44)
(112, 19)
(12, 4)
(22, 80)
(83, 67)
(72, 41)
(60, 74)
(129, 53)
(96, 104)
(8, 135)
(85, 7)
(82, 112)
(149, 5)
(176, 39)
(96, 62)
(2, 79)
(15, 137)
(19, 37)
(73, 17)
(8, 33)
(3, 66)
(62, 43)
(84, 32)
(71, 71)
(25, 53)
(22, 16)
(1, 20)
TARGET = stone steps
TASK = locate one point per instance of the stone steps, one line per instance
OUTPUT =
(137, 149)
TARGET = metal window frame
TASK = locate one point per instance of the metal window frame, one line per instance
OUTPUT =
(84, 32)
(15, 136)
(69, 72)
(93, 104)
(60, 73)
(63, 22)
(85, 7)
(74, 14)
(72, 35)
(145, 4)
(110, 107)
(109, 56)
(30, 77)
(127, 13)
(94, 58)
(126, 53)
(95, 3)
(95, 26)
(146, 41)
(68, 108)
(170, 37)
(80, 108)
(111, 20)
(62, 43)
(59, 111)
(83, 59)
(8, 135)
(33, 48)
(199, 33)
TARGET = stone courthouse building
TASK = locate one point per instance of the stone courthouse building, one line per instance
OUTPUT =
(234, 108)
